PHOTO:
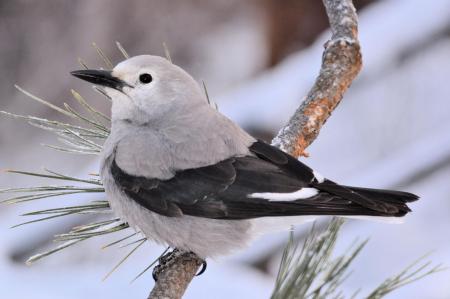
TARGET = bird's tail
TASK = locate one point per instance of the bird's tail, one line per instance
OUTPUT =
(395, 200)
(382, 195)
(386, 202)
(385, 206)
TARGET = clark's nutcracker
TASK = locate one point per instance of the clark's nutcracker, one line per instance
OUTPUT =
(187, 176)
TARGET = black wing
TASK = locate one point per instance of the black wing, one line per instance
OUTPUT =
(221, 191)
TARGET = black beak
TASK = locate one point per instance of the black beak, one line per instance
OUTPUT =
(99, 77)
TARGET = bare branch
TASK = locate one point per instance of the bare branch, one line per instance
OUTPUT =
(341, 62)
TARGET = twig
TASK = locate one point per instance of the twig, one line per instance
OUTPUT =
(341, 63)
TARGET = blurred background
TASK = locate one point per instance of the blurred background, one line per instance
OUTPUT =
(258, 59)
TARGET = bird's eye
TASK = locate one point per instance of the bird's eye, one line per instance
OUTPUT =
(145, 78)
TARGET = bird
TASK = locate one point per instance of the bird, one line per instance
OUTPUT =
(186, 176)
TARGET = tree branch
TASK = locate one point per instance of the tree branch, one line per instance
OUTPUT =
(341, 62)
(173, 281)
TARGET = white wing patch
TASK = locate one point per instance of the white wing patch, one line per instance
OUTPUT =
(320, 178)
(299, 194)
(381, 219)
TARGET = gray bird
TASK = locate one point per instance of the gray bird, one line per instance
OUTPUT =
(186, 176)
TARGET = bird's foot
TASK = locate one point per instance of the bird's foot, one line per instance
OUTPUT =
(165, 261)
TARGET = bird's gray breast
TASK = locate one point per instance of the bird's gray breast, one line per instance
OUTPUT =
(205, 237)
(159, 153)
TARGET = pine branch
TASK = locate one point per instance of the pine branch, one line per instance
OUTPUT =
(300, 269)
(310, 271)
(80, 139)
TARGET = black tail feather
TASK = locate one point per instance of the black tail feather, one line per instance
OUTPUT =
(391, 196)
(387, 202)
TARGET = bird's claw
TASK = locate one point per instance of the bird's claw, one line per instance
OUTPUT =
(203, 269)
(165, 261)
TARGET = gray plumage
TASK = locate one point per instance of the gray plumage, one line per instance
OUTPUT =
(185, 175)
(155, 143)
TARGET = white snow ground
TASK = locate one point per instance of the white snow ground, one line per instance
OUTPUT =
(392, 125)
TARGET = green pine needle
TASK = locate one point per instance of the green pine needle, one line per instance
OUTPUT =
(124, 259)
(82, 63)
(52, 175)
(415, 271)
(39, 256)
(167, 52)
(103, 56)
(120, 240)
(150, 265)
(122, 50)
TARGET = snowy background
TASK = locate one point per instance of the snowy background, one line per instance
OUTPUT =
(258, 59)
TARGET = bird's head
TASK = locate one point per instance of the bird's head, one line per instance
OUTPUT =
(146, 88)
